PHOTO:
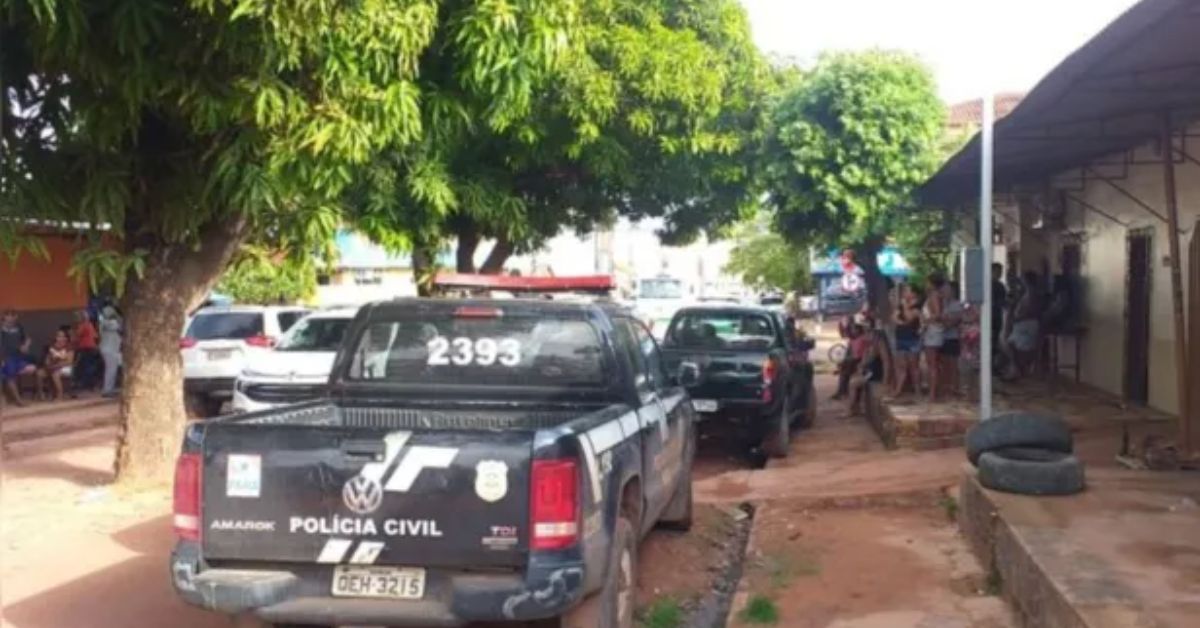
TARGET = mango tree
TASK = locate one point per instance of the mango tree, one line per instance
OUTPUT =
(847, 147)
(654, 109)
(180, 129)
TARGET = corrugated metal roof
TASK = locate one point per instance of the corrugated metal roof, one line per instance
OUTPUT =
(1106, 97)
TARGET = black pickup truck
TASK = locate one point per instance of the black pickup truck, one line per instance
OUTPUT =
(477, 460)
(751, 365)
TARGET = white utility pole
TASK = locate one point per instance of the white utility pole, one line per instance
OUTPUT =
(985, 237)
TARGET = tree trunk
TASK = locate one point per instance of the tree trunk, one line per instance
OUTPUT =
(468, 242)
(422, 262)
(496, 259)
(156, 305)
(868, 260)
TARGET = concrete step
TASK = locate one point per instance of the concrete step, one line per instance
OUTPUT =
(46, 423)
(42, 408)
(103, 435)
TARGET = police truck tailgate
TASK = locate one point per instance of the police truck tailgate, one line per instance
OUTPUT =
(365, 496)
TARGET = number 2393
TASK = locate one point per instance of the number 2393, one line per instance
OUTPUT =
(465, 351)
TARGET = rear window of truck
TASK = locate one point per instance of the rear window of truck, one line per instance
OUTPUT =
(732, 331)
(482, 348)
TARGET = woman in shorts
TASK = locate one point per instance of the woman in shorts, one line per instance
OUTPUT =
(908, 341)
(933, 334)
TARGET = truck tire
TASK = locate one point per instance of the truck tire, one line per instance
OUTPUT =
(810, 409)
(201, 406)
(1031, 471)
(611, 606)
(778, 438)
(678, 513)
(1018, 429)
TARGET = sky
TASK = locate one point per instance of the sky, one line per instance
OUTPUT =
(1024, 39)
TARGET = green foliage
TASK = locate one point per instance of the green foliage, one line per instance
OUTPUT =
(172, 116)
(759, 611)
(664, 612)
(268, 281)
(950, 506)
(848, 145)
(764, 259)
(648, 109)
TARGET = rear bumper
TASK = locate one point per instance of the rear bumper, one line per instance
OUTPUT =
(300, 594)
(221, 387)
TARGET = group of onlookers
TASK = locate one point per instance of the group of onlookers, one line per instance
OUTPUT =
(930, 334)
(80, 357)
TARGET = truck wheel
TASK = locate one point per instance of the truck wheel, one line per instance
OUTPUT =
(779, 433)
(612, 605)
(678, 514)
(810, 410)
(201, 406)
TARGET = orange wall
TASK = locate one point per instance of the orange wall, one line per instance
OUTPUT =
(42, 284)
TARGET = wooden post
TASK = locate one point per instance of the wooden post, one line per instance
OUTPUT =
(1181, 369)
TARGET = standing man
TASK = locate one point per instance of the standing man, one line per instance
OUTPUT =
(999, 303)
(88, 365)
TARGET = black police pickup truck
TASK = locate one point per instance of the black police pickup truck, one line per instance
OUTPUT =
(476, 460)
(751, 363)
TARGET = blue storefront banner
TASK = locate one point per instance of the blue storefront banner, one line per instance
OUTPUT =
(891, 263)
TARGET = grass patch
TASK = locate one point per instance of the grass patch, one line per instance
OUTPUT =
(782, 568)
(760, 611)
(950, 505)
(664, 612)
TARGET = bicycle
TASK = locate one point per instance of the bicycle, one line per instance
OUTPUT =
(837, 352)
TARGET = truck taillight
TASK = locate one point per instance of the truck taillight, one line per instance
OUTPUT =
(187, 497)
(261, 340)
(554, 505)
(768, 375)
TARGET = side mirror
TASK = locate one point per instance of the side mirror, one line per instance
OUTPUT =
(688, 374)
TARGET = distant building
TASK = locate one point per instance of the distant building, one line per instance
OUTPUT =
(968, 116)
(42, 290)
(365, 271)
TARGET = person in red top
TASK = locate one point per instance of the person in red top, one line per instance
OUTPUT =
(87, 353)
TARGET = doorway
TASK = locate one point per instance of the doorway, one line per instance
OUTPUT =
(1137, 315)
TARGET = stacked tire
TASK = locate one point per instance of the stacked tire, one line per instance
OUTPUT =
(1028, 454)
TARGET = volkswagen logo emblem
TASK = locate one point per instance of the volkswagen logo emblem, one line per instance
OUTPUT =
(362, 495)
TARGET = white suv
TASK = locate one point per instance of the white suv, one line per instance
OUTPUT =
(216, 343)
(298, 368)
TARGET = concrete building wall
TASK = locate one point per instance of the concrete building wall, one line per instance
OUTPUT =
(1105, 263)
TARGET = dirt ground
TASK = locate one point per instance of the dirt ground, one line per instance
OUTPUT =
(868, 567)
(847, 535)
(677, 569)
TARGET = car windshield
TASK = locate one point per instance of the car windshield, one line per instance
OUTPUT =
(733, 331)
(490, 350)
(225, 325)
(315, 334)
(660, 289)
